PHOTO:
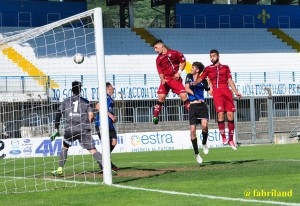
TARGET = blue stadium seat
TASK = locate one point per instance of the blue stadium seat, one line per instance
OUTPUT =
(294, 33)
(199, 41)
(244, 50)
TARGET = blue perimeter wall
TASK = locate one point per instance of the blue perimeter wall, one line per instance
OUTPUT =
(9, 10)
(210, 16)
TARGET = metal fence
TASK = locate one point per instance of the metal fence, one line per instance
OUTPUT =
(27, 84)
(23, 84)
(258, 118)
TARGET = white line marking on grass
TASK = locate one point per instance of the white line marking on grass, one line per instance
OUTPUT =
(73, 181)
(169, 192)
(283, 160)
(204, 196)
(56, 180)
(225, 161)
(159, 162)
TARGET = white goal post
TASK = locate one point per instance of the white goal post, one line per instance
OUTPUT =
(107, 176)
(37, 70)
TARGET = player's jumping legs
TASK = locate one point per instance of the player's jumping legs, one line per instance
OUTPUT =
(157, 107)
(230, 125)
(195, 144)
(204, 130)
(194, 138)
(221, 125)
(204, 123)
(230, 117)
(185, 100)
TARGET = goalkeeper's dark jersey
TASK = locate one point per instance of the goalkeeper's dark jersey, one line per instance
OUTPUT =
(75, 110)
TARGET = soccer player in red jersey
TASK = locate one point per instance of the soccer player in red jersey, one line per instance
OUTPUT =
(170, 64)
(220, 77)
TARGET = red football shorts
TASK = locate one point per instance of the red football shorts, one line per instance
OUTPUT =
(223, 100)
(176, 86)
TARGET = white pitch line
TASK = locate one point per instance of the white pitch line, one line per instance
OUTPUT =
(175, 193)
(73, 181)
(226, 161)
(160, 162)
(283, 160)
(204, 196)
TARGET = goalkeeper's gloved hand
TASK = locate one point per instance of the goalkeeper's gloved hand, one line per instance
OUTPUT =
(54, 135)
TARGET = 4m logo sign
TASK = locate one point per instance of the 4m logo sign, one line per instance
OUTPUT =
(48, 148)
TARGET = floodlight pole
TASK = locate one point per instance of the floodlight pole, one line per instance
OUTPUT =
(131, 18)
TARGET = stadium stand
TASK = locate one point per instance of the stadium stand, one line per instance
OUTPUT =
(118, 41)
(199, 41)
(10, 69)
(245, 50)
(294, 33)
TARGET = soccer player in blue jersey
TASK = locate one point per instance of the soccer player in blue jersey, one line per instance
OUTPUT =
(111, 120)
(79, 116)
(198, 112)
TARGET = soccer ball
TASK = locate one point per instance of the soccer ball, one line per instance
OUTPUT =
(78, 58)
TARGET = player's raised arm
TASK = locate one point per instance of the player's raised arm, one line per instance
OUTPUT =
(187, 84)
(197, 81)
(182, 60)
(181, 67)
(57, 123)
(57, 119)
(202, 76)
(209, 87)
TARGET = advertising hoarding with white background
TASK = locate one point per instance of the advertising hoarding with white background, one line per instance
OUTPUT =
(128, 142)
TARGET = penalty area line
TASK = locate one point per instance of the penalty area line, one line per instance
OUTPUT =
(203, 196)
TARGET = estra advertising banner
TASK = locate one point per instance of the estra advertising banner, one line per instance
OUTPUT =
(153, 141)
(128, 142)
(169, 140)
(214, 139)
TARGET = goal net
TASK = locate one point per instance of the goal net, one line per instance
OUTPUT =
(37, 73)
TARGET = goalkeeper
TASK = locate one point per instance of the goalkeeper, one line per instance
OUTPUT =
(79, 116)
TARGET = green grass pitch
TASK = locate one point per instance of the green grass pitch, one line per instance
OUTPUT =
(252, 175)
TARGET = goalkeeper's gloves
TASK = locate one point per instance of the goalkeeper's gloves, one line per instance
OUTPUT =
(54, 135)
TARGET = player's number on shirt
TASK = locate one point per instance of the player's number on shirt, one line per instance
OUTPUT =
(75, 106)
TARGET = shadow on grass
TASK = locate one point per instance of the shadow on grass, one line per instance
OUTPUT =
(129, 174)
(141, 173)
(160, 172)
(227, 162)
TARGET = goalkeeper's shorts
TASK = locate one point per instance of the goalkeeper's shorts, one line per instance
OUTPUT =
(83, 136)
